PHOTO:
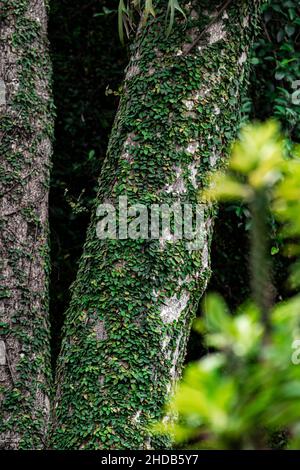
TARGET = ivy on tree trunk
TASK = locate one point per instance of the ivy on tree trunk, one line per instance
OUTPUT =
(133, 301)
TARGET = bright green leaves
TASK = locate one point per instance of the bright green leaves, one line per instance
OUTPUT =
(236, 396)
(257, 162)
(287, 198)
(225, 187)
(258, 154)
(239, 333)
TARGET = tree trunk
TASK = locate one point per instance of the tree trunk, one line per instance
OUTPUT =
(25, 147)
(134, 299)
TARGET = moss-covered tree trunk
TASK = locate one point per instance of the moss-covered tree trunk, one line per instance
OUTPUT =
(133, 301)
(26, 125)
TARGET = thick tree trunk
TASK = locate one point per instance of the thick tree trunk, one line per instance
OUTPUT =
(133, 301)
(25, 148)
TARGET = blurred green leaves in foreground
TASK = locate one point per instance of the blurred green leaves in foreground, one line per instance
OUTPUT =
(246, 390)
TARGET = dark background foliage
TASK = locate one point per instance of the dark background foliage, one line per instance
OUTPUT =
(87, 60)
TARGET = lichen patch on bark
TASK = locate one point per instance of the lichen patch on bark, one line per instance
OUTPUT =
(173, 307)
(217, 32)
(2, 353)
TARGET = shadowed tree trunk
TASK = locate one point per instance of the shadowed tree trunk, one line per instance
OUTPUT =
(134, 299)
(25, 146)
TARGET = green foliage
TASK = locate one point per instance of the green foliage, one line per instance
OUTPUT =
(145, 8)
(249, 385)
(238, 395)
(112, 385)
(256, 163)
(275, 82)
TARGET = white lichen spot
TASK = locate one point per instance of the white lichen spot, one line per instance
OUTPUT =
(217, 32)
(193, 174)
(169, 388)
(132, 71)
(204, 92)
(158, 53)
(2, 353)
(194, 15)
(129, 142)
(173, 307)
(46, 404)
(246, 21)
(166, 236)
(225, 15)
(189, 104)
(191, 114)
(242, 59)
(185, 281)
(213, 158)
(205, 256)
(147, 445)
(2, 92)
(155, 294)
(217, 111)
(136, 417)
(192, 101)
(192, 147)
(205, 249)
(101, 380)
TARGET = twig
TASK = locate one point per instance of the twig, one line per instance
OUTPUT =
(204, 31)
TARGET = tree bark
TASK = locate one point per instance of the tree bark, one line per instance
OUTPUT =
(25, 147)
(133, 301)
